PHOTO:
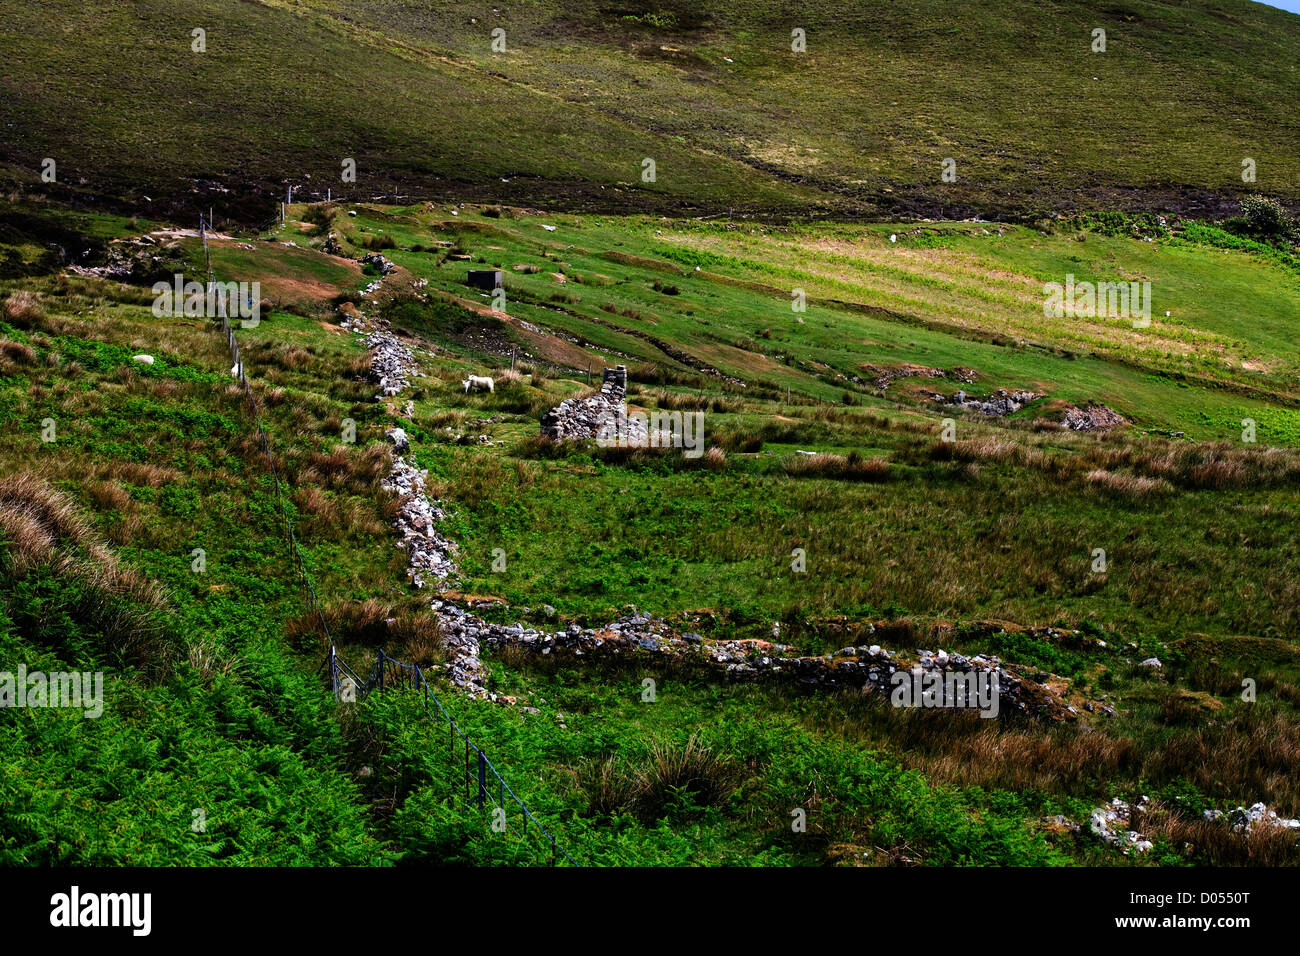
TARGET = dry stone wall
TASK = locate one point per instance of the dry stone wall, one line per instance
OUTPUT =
(431, 557)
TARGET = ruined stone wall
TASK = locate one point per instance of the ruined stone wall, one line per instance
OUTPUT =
(579, 419)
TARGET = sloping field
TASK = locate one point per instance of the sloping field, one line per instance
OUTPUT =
(860, 122)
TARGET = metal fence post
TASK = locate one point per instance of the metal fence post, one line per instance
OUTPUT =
(482, 781)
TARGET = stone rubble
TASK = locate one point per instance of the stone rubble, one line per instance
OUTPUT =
(1111, 824)
(579, 419)
(1092, 418)
(999, 404)
(1244, 820)
(391, 363)
(384, 265)
(429, 554)
(884, 376)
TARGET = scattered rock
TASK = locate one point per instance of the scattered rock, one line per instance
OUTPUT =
(1111, 824)
(1000, 404)
(1091, 418)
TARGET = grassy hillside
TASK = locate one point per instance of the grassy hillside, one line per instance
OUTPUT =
(858, 124)
(215, 699)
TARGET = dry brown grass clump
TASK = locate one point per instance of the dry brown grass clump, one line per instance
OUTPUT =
(1132, 486)
(407, 629)
(347, 468)
(673, 401)
(318, 507)
(43, 528)
(669, 775)
(986, 449)
(1255, 753)
(37, 521)
(23, 308)
(15, 355)
(852, 467)
(961, 748)
(1213, 465)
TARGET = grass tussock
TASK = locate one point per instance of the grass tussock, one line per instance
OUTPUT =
(673, 401)
(1130, 486)
(15, 356)
(986, 449)
(672, 779)
(23, 309)
(1210, 465)
(347, 468)
(851, 467)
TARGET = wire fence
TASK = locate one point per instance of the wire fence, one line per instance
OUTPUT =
(484, 785)
(485, 788)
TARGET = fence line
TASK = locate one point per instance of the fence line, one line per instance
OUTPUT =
(406, 675)
(388, 673)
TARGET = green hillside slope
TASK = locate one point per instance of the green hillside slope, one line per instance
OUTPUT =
(858, 124)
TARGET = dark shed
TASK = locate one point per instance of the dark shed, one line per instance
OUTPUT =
(486, 278)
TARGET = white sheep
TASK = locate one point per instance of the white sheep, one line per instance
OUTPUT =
(478, 383)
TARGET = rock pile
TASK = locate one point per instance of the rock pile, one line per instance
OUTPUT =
(884, 376)
(460, 640)
(381, 263)
(1092, 418)
(578, 419)
(1111, 824)
(391, 362)
(401, 444)
(1000, 404)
